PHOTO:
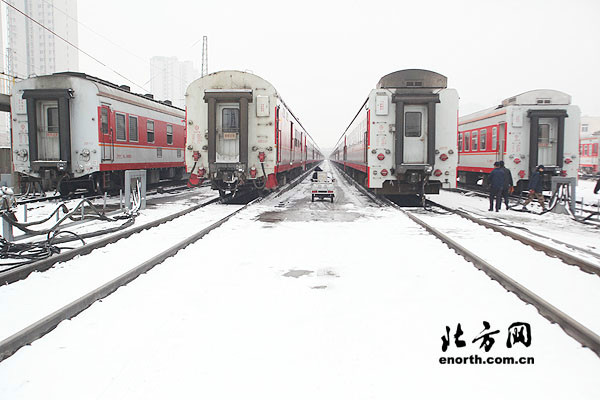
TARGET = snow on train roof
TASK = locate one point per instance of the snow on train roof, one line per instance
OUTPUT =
(537, 97)
(233, 82)
(121, 88)
(413, 78)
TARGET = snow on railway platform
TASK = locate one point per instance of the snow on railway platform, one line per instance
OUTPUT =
(296, 300)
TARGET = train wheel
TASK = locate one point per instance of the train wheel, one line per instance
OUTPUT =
(313, 198)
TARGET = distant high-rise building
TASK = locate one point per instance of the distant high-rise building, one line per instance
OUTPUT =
(4, 89)
(31, 49)
(170, 78)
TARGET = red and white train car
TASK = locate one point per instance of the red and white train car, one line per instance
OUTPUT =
(532, 128)
(402, 140)
(81, 131)
(588, 153)
(240, 133)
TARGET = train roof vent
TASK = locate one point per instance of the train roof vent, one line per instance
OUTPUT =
(149, 96)
(168, 102)
(538, 97)
(413, 78)
(125, 88)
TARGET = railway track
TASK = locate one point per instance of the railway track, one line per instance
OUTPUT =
(578, 331)
(10, 275)
(46, 324)
(552, 251)
(591, 209)
(585, 336)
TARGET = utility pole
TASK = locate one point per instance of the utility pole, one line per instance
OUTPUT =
(204, 56)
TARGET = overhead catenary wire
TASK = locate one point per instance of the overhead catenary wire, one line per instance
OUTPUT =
(128, 51)
(72, 44)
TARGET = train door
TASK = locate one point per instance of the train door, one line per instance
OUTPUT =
(366, 147)
(47, 131)
(291, 142)
(227, 132)
(547, 141)
(106, 132)
(415, 134)
(501, 141)
(278, 134)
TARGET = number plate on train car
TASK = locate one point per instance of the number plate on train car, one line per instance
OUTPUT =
(229, 135)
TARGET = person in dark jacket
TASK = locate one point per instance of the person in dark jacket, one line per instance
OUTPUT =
(508, 188)
(536, 186)
(496, 184)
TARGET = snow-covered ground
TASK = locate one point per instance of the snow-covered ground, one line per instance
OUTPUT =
(159, 206)
(585, 192)
(297, 300)
(24, 302)
(41, 210)
(566, 287)
(550, 225)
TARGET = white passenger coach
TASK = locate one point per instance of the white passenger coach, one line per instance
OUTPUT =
(532, 128)
(403, 138)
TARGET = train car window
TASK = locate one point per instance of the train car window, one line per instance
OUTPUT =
(467, 140)
(483, 139)
(460, 142)
(104, 121)
(169, 134)
(52, 117)
(543, 135)
(595, 149)
(494, 138)
(133, 129)
(580, 149)
(231, 120)
(150, 131)
(412, 124)
(584, 127)
(120, 126)
(585, 150)
(474, 137)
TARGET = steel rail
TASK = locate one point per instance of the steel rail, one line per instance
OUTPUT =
(22, 272)
(38, 329)
(567, 258)
(576, 330)
(573, 328)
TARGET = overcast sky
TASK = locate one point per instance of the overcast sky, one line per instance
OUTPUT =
(324, 57)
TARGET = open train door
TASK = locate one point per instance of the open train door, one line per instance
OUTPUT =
(106, 134)
(546, 138)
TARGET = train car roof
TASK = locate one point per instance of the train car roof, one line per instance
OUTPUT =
(413, 78)
(122, 88)
(213, 74)
(537, 97)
